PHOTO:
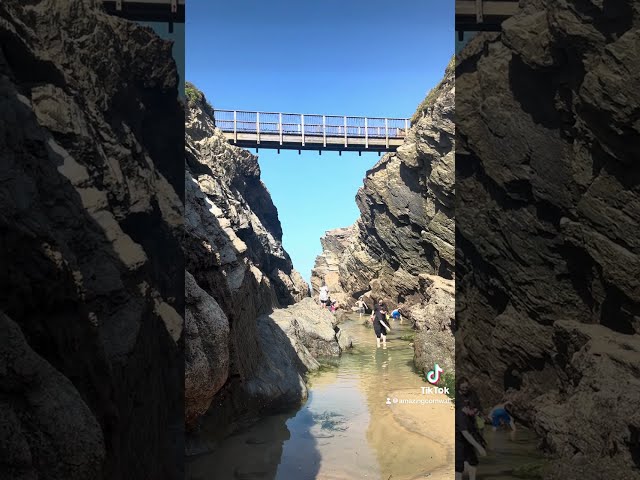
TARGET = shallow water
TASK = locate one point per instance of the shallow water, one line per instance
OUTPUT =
(346, 429)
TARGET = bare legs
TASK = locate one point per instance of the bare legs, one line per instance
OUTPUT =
(469, 469)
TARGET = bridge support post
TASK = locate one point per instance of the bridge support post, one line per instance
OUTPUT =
(302, 123)
(280, 128)
(258, 126)
(324, 131)
(366, 133)
(479, 11)
(386, 132)
(235, 127)
(345, 131)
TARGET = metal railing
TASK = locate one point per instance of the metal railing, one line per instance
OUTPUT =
(270, 123)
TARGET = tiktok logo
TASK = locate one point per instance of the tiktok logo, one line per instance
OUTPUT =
(434, 375)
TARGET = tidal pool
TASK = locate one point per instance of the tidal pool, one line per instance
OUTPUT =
(350, 426)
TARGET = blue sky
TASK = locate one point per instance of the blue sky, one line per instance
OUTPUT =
(342, 57)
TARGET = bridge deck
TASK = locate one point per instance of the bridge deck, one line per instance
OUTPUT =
(295, 131)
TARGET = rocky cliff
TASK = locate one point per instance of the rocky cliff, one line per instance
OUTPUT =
(245, 352)
(91, 271)
(401, 249)
(548, 228)
(327, 265)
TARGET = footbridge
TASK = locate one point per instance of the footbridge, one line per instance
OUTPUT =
(296, 131)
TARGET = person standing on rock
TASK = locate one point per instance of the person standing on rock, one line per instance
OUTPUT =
(380, 327)
(324, 295)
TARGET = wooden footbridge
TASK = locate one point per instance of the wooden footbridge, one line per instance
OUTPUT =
(296, 131)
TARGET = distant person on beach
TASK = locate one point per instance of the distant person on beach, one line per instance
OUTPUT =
(466, 444)
(500, 416)
(396, 315)
(380, 326)
(324, 294)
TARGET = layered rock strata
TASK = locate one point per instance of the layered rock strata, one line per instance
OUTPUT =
(548, 228)
(401, 249)
(91, 273)
(327, 265)
(246, 352)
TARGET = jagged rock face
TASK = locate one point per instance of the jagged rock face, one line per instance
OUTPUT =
(401, 249)
(548, 227)
(327, 264)
(241, 273)
(91, 269)
(406, 226)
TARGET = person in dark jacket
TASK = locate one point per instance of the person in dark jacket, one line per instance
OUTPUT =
(466, 443)
(380, 326)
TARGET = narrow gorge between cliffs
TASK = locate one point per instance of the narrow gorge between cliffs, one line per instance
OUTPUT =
(278, 386)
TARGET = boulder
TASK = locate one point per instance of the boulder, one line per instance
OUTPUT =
(206, 350)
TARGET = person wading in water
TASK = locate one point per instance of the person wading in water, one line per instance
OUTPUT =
(380, 326)
(467, 445)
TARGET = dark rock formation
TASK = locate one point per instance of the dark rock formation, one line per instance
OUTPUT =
(401, 248)
(91, 278)
(548, 228)
(52, 425)
(240, 278)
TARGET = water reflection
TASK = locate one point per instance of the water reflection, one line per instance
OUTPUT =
(346, 430)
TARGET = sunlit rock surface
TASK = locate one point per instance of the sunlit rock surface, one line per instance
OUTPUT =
(401, 249)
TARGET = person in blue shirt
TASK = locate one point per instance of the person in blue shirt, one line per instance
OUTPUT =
(396, 315)
(499, 416)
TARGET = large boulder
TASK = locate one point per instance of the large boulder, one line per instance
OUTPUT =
(206, 350)
(48, 430)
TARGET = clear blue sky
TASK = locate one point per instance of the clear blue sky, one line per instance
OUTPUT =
(343, 57)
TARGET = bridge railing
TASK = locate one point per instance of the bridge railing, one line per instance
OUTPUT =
(242, 121)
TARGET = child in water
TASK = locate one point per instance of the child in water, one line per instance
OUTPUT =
(500, 416)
